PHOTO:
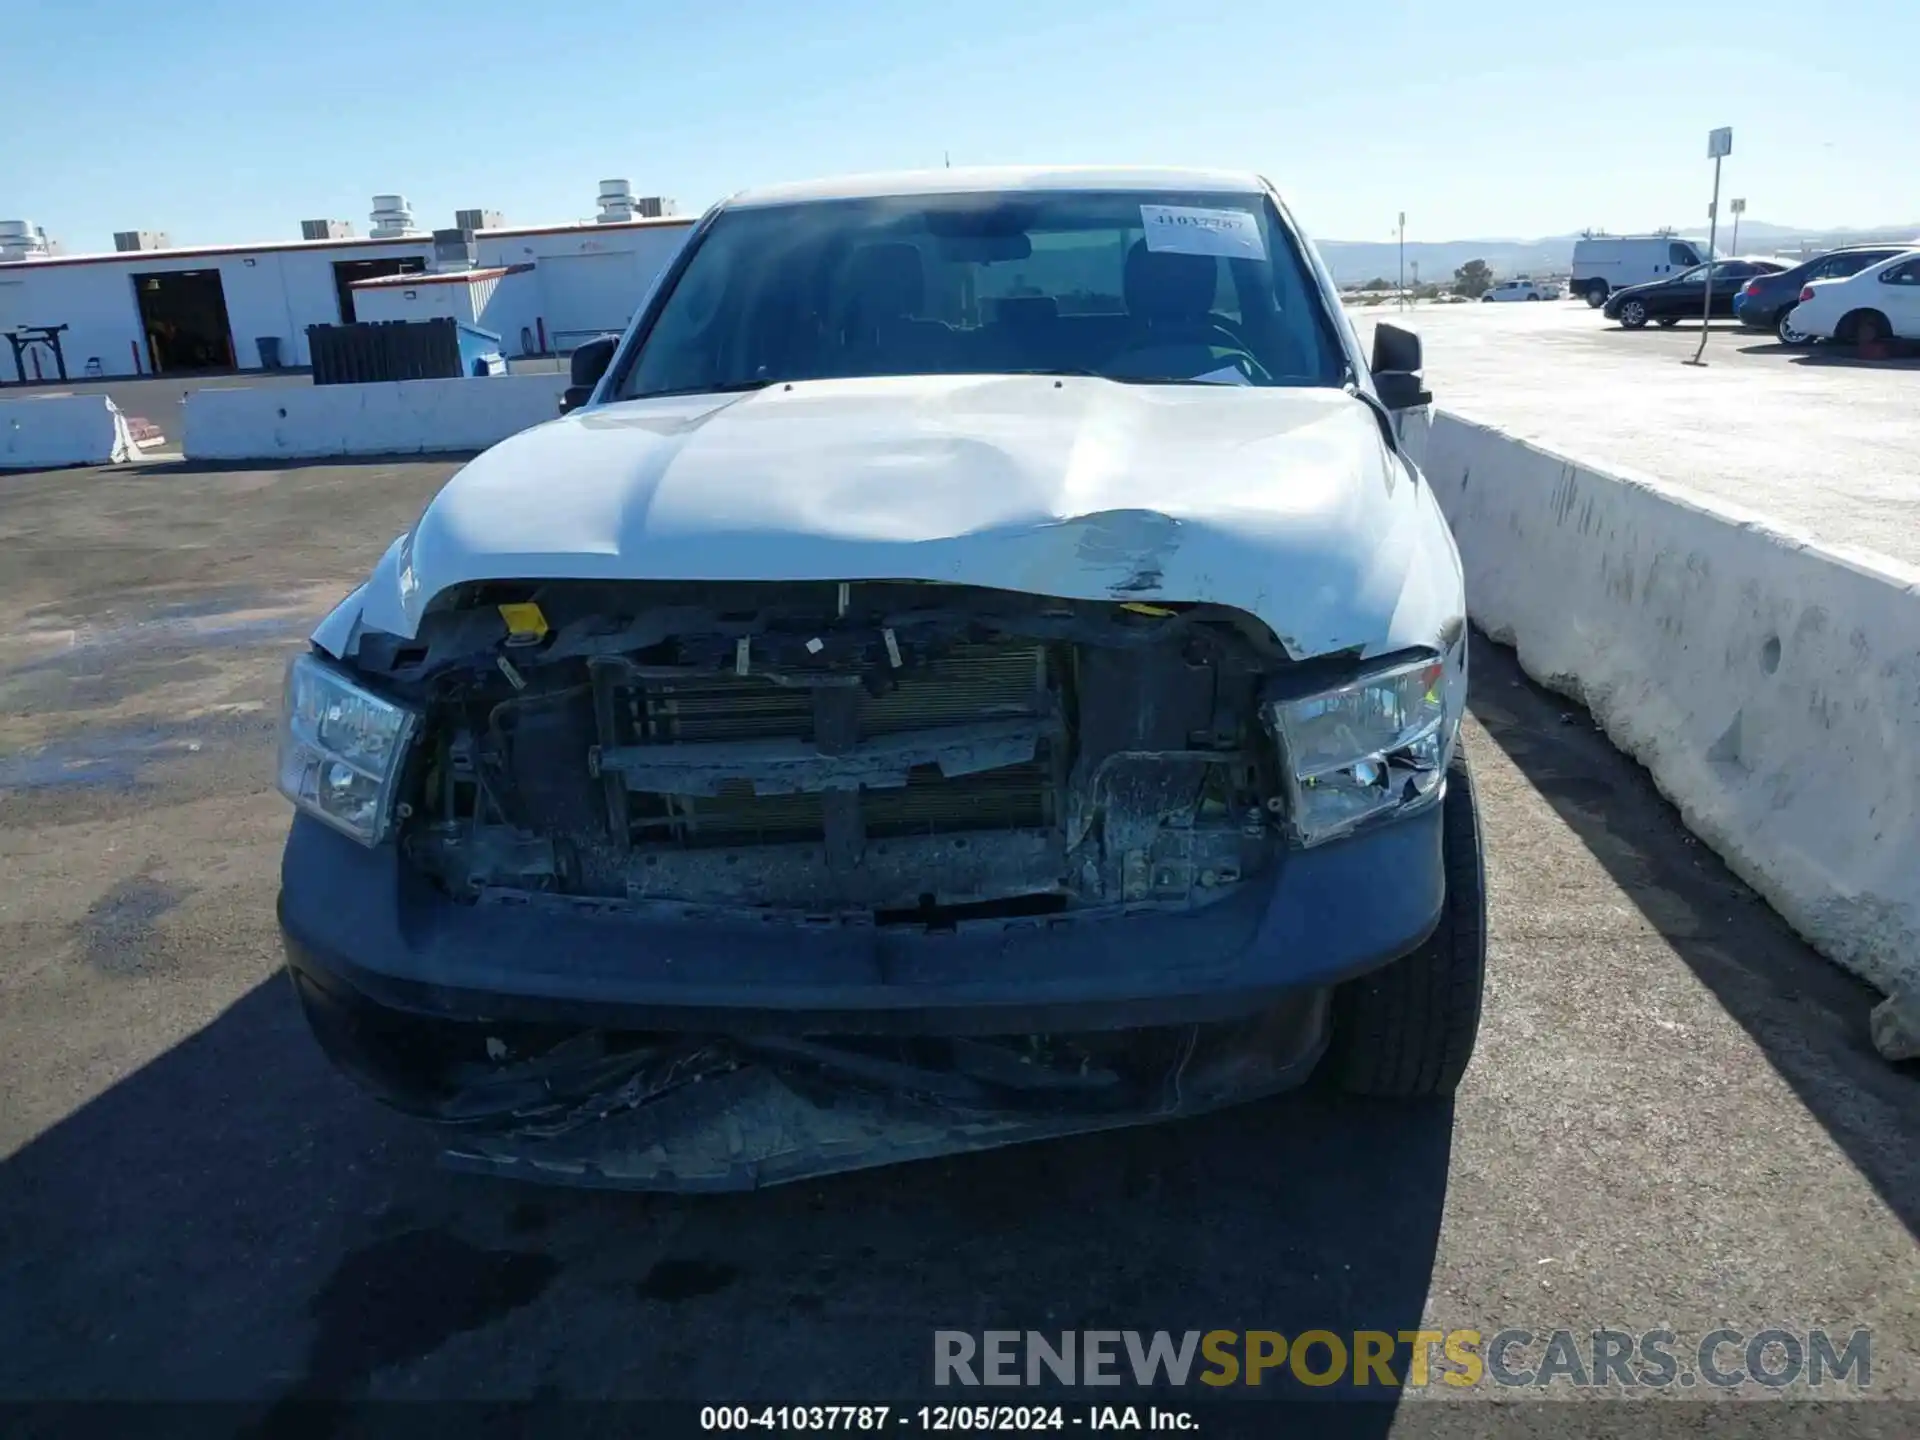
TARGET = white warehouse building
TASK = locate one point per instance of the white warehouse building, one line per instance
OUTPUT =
(179, 311)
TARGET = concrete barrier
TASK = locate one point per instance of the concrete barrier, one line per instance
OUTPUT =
(407, 417)
(1770, 685)
(44, 432)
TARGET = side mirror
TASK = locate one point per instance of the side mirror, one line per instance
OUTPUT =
(584, 369)
(1395, 349)
(1397, 363)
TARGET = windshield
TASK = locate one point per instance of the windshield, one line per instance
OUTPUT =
(1142, 287)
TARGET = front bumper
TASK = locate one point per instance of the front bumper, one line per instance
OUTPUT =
(365, 919)
(782, 1023)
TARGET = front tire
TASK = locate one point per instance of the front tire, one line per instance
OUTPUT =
(1633, 315)
(1667, 322)
(1407, 1031)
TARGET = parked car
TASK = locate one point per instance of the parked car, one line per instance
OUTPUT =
(1516, 290)
(1878, 303)
(1766, 302)
(828, 711)
(1604, 264)
(1683, 297)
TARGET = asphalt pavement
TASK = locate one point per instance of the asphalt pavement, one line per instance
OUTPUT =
(1819, 438)
(1675, 1119)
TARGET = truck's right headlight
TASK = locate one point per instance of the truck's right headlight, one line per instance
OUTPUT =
(341, 749)
(1374, 747)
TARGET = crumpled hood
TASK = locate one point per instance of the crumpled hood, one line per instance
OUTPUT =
(1286, 503)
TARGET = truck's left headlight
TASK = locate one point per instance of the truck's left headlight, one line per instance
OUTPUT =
(1375, 747)
(341, 749)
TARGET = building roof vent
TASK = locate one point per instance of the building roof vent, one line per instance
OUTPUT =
(479, 220)
(325, 230)
(392, 218)
(128, 240)
(616, 202)
(24, 240)
(453, 250)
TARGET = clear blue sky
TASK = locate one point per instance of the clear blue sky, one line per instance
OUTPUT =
(232, 120)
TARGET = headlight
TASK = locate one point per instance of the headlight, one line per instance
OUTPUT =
(341, 749)
(1375, 747)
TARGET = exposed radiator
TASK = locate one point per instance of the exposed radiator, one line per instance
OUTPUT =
(972, 682)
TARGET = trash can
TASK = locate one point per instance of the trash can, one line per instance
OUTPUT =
(269, 352)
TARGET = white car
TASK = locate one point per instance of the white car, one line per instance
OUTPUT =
(974, 664)
(1877, 303)
(1517, 290)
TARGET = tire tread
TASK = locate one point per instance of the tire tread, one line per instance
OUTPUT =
(1408, 1030)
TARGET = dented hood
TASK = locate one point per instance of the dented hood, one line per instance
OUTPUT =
(1286, 503)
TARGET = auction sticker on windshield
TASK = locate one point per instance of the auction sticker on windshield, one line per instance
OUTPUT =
(1183, 230)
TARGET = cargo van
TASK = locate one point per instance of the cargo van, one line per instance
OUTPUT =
(1603, 264)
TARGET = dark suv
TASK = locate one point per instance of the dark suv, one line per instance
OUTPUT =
(1766, 301)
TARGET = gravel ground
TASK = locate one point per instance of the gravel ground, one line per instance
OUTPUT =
(1674, 1119)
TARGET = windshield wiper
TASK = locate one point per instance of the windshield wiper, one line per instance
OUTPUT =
(731, 387)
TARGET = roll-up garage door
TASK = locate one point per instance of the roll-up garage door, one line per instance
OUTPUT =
(586, 295)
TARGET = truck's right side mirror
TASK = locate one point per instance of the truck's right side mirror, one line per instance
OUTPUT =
(584, 368)
(1397, 363)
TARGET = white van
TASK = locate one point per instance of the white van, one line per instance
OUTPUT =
(1603, 264)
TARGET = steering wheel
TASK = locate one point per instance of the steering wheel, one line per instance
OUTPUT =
(1255, 371)
(1227, 332)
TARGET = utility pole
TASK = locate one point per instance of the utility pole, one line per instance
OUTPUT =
(1719, 146)
(1403, 259)
(1737, 208)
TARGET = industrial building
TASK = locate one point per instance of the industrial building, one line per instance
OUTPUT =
(150, 309)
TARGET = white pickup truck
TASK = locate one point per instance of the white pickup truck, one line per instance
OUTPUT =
(974, 664)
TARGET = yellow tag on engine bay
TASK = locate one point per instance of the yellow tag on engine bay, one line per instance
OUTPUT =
(526, 624)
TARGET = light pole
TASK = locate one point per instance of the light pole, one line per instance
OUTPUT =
(1719, 146)
(1737, 208)
(1403, 259)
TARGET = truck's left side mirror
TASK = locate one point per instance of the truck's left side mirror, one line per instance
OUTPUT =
(585, 367)
(1397, 362)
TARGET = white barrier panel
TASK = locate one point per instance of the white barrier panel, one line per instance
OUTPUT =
(1770, 685)
(44, 432)
(406, 417)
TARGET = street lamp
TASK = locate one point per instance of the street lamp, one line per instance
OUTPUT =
(1739, 208)
(1403, 259)
(1719, 146)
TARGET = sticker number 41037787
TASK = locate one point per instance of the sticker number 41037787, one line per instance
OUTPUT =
(1186, 230)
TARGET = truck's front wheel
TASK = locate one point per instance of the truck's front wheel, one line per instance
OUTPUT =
(1407, 1031)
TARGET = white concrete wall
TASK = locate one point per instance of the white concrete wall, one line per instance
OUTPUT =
(1770, 685)
(95, 302)
(43, 432)
(409, 417)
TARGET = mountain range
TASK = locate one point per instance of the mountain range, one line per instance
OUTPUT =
(1355, 261)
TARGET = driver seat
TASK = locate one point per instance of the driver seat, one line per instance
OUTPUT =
(1171, 330)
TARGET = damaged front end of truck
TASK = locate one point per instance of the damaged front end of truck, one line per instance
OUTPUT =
(854, 790)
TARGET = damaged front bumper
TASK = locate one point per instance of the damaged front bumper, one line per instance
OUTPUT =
(684, 1050)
